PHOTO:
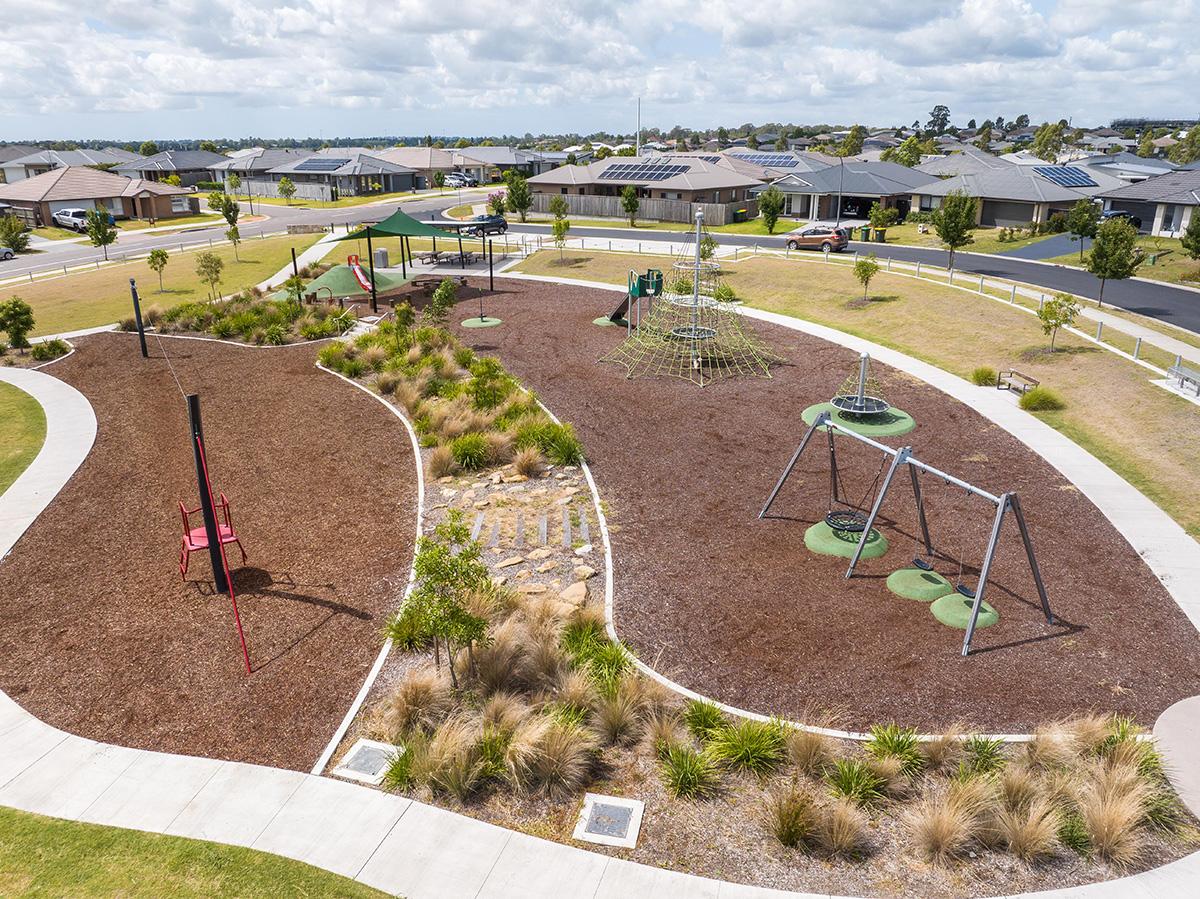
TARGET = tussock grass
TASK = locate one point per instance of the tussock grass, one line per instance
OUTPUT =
(758, 747)
(842, 829)
(1030, 831)
(529, 462)
(563, 762)
(791, 815)
(419, 702)
(1053, 745)
(689, 774)
(619, 718)
(441, 462)
(502, 663)
(808, 751)
(663, 730)
(944, 823)
(452, 763)
(943, 751)
(504, 712)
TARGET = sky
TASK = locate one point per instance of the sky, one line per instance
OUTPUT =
(131, 69)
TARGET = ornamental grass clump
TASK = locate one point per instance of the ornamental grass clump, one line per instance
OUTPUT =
(1030, 831)
(419, 702)
(563, 762)
(1041, 399)
(758, 747)
(703, 719)
(791, 814)
(981, 755)
(689, 774)
(854, 780)
(470, 451)
(900, 743)
(842, 829)
(528, 462)
(808, 751)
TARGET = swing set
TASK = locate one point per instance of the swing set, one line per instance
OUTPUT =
(854, 518)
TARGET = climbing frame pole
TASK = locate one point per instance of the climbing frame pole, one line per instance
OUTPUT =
(900, 457)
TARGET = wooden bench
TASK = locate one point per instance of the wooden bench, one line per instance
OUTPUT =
(1014, 380)
(1186, 377)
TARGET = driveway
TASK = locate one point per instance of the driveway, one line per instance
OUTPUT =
(1058, 245)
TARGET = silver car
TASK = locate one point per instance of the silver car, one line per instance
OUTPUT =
(6, 253)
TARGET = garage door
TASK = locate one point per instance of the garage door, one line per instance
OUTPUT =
(1144, 211)
(1005, 214)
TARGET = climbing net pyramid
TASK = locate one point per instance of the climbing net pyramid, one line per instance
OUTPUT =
(691, 331)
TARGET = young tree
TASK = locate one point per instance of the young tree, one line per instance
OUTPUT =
(723, 136)
(518, 197)
(630, 203)
(173, 180)
(939, 118)
(602, 153)
(1057, 313)
(234, 237)
(852, 143)
(864, 270)
(907, 154)
(752, 141)
(157, 260)
(16, 318)
(770, 206)
(496, 202)
(1191, 236)
(1113, 256)
(100, 230)
(572, 159)
(287, 189)
(437, 313)
(558, 206)
(954, 221)
(208, 269)
(1048, 142)
(984, 138)
(1082, 220)
(208, 145)
(780, 144)
(14, 233)
(148, 148)
(1146, 144)
(439, 180)
(229, 210)
(234, 180)
(559, 228)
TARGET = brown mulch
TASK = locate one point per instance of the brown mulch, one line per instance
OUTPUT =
(738, 609)
(103, 639)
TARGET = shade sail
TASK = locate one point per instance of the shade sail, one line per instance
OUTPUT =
(399, 224)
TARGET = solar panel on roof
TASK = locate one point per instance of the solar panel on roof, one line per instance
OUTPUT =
(1066, 175)
(769, 160)
(652, 171)
(321, 165)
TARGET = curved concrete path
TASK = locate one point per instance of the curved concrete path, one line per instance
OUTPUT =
(386, 841)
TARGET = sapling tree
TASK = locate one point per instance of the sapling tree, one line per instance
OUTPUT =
(1114, 254)
(518, 197)
(1082, 221)
(439, 180)
(14, 233)
(100, 229)
(208, 269)
(770, 205)
(287, 189)
(157, 260)
(234, 236)
(865, 269)
(708, 246)
(954, 221)
(437, 313)
(1056, 313)
(229, 209)
(630, 203)
(558, 206)
(16, 320)
(558, 229)
(234, 180)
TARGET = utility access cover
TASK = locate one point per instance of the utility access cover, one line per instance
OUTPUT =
(367, 761)
(609, 820)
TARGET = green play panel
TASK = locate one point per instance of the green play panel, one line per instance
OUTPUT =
(476, 322)
(923, 586)
(954, 610)
(892, 423)
(825, 541)
(605, 322)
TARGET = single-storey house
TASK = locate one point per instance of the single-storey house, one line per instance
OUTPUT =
(47, 160)
(1013, 196)
(340, 172)
(858, 184)
(500, 159)
(9, 152)
(36, 199)
(1166, 204)
(190, 166)
(252, 166)
(1127, 166)
(971, 161)
(425, 161)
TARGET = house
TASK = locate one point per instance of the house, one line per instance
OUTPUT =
(340, 172)
(501, 159)
(189, 166)
(9, 152)
(1015, 195)
(1127, 166)
(670, 187)
(425, 161)
(849, 189)
(1166, 203)
(36, 199)
(970, 161)
(46, 160)
(252, 167)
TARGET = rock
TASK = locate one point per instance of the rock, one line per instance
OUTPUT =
(510, 562)
(515, 479)
(524, 574)
(575, 594)
(449, 492)
(482, 503)
(583, 572)
(531, 589)
(547, 566)
(499, 580)
(446, 479)
(542, 552)
(584, 550)
(496, 477)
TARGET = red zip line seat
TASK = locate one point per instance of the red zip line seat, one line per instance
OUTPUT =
(196, 538)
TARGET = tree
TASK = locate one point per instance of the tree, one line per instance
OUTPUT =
(852, 143)
(1191, 236)
(14, 233)
(908, 153)
(1021, 122)
(287, 189)
(1187, 150)
(439, 180)
(954, 221)
(234, 180)
(630, 203)
(1057, 313)
(148, 148)
(752, 141)
(882, 217)
(558, 206)
(157, 260)
(572, 159)
(939, 118)
(462, 143)
(603, 153)
(437, 313)
(1146, 145)
(984, 139)
(1113, 256)
(208, 269)
(559, 229)
(496, 202)
(625, 151)
(229, 209)
(708, 246)
(971, 125)
(780, 144)
(100, 230)
(16, 318)
(864, 270)
(770, 205)
(234, 236)
(723, 136)
(1082, 220)
(1048, 142)
(173, 180)
(518, 197)
(209, 145)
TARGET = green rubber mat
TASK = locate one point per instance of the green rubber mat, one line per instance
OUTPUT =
(954, 610)
(892, 423)
(923, 586)
(825, 541)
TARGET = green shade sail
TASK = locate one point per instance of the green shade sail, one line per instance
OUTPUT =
(400, 224)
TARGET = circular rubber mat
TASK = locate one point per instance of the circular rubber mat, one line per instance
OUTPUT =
(825, 541)
(923, 586)
(892, 423)
(476, 322)
(605, 322)
(954, 610)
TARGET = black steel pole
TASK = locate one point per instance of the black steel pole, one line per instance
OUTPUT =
(295, 268)
(462, 260)
(371, 260)
(403, 263)
(206, 497)
(491, 273)
(137, 316)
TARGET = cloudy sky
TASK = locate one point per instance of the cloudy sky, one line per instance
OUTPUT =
(215, 68)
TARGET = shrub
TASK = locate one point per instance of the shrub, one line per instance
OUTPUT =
(470, 451)
(854, 780)
(755, 746)
(900, 743)
(1073, 833)
(1041, 399)
(406, 628)
(842, 828)
(724, 293)
(557, 441)
(791, 815)
(983, 376)
(582, 638)
(689, 774)
(275, 335)
(419, 702)
(528, 462)
(398, 775)
(332, 356)
(703, 718)
(49, 349)
(354, 368)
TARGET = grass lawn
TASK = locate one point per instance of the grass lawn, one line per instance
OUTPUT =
(752, 227)
(100, 297)
(22, 433)
(52, 233)
(49, 857)
(343, 202)
(1147, 435)
(987, 240)
(1175, 267)
(460, 212)
(143, 224)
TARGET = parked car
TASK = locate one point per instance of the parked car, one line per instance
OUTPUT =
(6, 253)
(74, 219)
(486, 224)
(461, 179)
(818, 237)
(1134, 220)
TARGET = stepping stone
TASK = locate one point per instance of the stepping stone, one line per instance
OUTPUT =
(477, 527)
(494, 537)
(510, 562)
(546, 567)
(583, 572)
(542, 552)
(566, 533)
(584, 550)
(542, 527)
(519, 541)
(584, 532)
(576, 594)
(532, 588)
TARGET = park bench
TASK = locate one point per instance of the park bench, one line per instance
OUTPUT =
(1014, 380)
(1187, 377)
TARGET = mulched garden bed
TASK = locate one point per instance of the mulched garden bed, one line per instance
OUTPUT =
(101, 637)
(737, 608)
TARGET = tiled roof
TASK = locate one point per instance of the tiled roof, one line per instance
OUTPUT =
(81, 183)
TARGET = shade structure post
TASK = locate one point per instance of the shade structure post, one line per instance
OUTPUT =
(403, 262)
(491, 269)
(371, 260)
(462, 260)
(137, 315)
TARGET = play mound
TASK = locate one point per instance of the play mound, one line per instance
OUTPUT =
(923, 586)
(825, 541)
(892, 423)
(954, 610)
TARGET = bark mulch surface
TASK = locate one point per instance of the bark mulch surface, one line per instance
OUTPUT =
(100, 636)
(736, 607)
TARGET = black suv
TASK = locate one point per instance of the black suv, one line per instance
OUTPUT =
(1134, 220)
(486, 224)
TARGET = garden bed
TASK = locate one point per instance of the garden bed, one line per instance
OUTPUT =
(103, 639)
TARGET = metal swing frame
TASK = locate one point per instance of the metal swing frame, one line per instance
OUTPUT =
(1004, 503)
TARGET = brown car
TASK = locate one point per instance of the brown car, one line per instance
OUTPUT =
(826, 238)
